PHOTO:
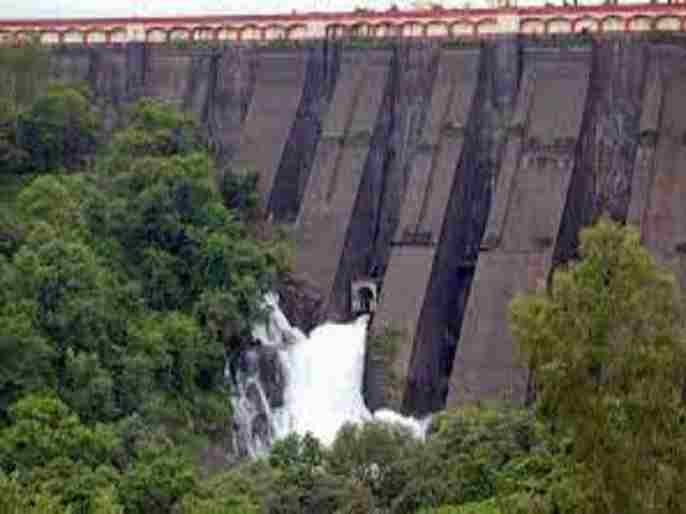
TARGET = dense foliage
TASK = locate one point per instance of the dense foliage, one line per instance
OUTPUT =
(608, 349)
(129, 269)
(124, 280)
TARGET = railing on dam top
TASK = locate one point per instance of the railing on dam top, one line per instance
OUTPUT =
(429, 23)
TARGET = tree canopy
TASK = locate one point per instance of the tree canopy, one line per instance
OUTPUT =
(608, 351)
(124, 280)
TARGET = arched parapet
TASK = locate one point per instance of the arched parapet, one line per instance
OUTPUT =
(204, 33)
(95, 37)
(73, 36)
(532, 26)
(437, 28)
(639, 23)
(156, 35)
(487, 26)
(275, 32)
(558, 26)
(251, 33)
(337, 31)
(179, 34)
(50, 37)
(411, 29)
(7, 38)
(26, 36)
(386, 29)
(668, 23)
(463, 28)
(298, 31)
(612, 24)
(362, 29)
(118, 35)
(228, 34)
(586, 24)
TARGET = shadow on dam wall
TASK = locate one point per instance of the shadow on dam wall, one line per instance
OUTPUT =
(453, 178)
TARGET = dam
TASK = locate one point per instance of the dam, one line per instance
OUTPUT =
(447, 174)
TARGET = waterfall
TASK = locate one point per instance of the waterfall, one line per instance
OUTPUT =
(290, 382)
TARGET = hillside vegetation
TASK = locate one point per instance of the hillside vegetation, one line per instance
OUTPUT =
(128, 270)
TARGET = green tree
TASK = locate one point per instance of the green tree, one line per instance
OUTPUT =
(54, 454)
(44, 429)
(25, 355)
(374, 454)
(157, 482)
(59, 130)
(485, 507)
(607, 347)
(15, 498)
(154, 129)
(466, 456)
(24, 74)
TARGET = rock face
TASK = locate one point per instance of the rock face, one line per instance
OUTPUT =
(453, 176)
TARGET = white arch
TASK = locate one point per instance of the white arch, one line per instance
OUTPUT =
(50, 37)
(251, 33)
(73, 37)
(640, 23)
(533, 26)
(118, 35)
(203, 33)
(412, 29)
(559, 26)
(587, 24)
(462, 28)
(156, 35)
(179, 34)
(668, 23)
(437, 29)
(275, 32)
(96, 37)
(228, 34)
(612, 24)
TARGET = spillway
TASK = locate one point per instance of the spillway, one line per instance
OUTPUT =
(313, 384)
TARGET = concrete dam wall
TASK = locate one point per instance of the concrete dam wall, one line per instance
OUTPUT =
(451, 178)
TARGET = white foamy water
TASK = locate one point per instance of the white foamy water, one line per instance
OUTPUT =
(323, 379)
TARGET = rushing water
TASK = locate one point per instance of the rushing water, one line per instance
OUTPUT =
(294, 383)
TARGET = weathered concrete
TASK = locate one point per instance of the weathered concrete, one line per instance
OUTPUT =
(171, 75)
(300, 149)
(413, 265)
(279, 82)
(346, 137)
(524, 222)
(331, 200)
(658, 203)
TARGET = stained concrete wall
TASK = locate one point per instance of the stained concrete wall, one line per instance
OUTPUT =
(413, 264)
(279, 84)
(554, 138)
(524, 221)
(658, 202)
(332, 201)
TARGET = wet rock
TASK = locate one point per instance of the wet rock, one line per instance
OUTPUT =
(271, 375)
(302, 303)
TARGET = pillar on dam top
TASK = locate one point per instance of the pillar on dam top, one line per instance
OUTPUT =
(279, 84)
(417, 275)
(524, 222)
(658, 196)
(332, 199)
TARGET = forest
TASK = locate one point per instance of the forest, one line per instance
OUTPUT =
(132, 264)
